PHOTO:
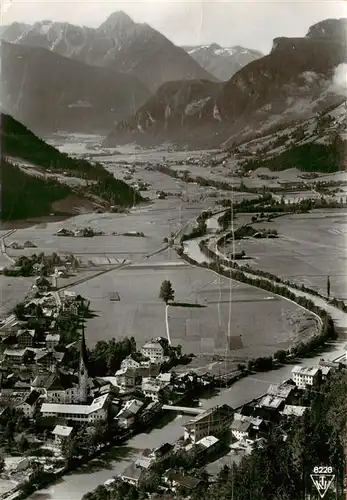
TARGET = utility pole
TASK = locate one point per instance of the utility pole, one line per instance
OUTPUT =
(328, 287)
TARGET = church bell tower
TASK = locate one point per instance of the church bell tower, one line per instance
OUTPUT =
(83, 370)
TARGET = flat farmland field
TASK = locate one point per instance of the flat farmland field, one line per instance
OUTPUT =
(310, 247)
(13, 291)
(265, 323)
(156, 221)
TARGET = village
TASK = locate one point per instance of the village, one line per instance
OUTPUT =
(60, 403)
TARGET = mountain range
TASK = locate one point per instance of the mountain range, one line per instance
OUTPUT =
(300, 77)
(222, 62)
(119, 43)
(131, 81)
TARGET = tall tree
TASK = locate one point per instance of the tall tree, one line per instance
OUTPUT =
(166, 291)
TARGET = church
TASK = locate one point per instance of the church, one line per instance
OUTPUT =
(75, 406)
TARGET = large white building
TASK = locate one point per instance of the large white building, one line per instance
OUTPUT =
(96, 411)
(305, 375)
(154, 351)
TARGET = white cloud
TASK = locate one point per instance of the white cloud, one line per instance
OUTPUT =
(339, 81)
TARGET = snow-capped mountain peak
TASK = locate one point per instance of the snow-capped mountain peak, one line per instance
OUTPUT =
(222, 62)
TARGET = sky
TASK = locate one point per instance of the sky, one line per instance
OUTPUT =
(250, 23)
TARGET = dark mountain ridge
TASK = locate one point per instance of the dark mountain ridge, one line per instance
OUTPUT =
(49, 92)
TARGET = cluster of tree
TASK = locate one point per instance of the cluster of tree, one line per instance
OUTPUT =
(39, 478)
(247, 231)
(114, 191)
(24, 195)
(12, 423)
(309, 157)
(47, 263)
(106, 356)
(201, 227)
(85, 441)
(266, 206)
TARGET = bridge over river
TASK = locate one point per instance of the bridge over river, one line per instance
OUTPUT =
(184, 409)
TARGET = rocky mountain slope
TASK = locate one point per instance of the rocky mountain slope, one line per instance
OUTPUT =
(49, 92)
(299, 78)
(118, 43)
(37, 179)
(170, 115)
(222, 62)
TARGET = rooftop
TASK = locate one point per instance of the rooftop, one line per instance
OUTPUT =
(271, 401)
(97, 404)
(294, 410)
(207, 441)
(132, 472)
(53, 336)
(152, 345)
(240, 426)
(224, 409)
(280, 390)
(305, 370)
(62, 430)
(31, 398)
(15, 352)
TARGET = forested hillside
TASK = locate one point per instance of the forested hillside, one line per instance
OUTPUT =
(25, 195)
(309, 157)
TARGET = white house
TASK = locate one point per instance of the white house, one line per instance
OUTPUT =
(240, 429)
(52, 340)
(130, 362)
(125, 379)
(61, 433)
(126, 416)
(305, 375)
(154, 351)
(151, 388)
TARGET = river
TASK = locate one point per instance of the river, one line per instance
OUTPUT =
(73, 486)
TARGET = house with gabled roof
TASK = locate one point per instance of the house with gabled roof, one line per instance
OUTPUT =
(25, 338)
(57, 387)
(29, 405)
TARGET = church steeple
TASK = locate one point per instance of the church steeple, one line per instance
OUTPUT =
(83, 370)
